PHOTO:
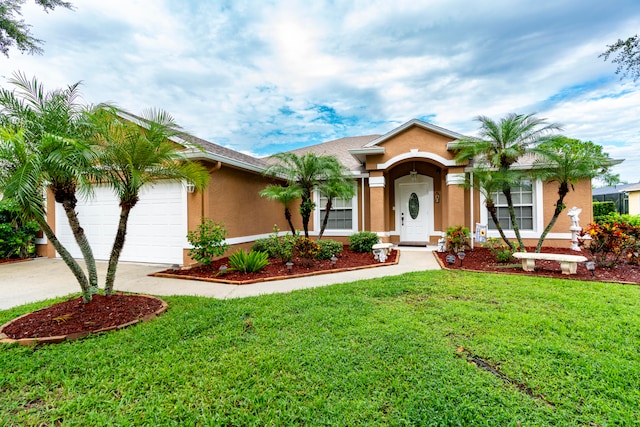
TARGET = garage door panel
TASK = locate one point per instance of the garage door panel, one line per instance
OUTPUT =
(156, 229)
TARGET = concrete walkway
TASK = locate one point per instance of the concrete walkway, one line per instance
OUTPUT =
(44, 278)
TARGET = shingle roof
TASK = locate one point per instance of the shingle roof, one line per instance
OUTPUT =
(227, 153)
(339, 148)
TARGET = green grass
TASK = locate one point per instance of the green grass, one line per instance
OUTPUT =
(377, 352)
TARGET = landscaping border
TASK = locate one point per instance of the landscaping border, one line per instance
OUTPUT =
(271, 279)
(4, 339)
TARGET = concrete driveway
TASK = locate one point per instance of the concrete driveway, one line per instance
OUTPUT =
(44, 278)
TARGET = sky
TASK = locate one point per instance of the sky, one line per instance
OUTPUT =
(267, 76)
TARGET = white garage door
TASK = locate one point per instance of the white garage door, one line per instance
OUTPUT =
(157, 224)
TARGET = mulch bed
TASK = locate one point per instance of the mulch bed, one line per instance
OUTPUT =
(482, 259)
(74, 319)
(276, 270)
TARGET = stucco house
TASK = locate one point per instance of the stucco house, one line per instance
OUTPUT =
(633, 198)
(408, 191)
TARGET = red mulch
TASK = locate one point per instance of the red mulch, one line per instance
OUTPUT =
(276, 269)
(73, 316)
(482, 259)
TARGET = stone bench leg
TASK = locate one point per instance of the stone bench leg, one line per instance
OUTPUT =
(528, 264)
(568, 267)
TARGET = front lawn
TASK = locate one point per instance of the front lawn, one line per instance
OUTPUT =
(392, 351)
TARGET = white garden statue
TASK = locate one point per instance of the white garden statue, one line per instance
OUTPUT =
(575, 227)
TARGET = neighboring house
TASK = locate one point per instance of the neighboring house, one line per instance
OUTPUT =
(408, 191)
(633, 198)
(613, 193)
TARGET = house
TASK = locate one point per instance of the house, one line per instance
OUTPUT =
(408, 191)
(633, 198)
(613, 193)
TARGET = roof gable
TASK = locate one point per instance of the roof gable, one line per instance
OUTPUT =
(414, 122)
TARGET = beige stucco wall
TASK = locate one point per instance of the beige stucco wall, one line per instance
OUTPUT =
(634, 202)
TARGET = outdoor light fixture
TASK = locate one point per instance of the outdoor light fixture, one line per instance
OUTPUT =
(333, 259)
(289, 266)
(191, 188)
(450, 259)
(223, 269)
(591, 266)
(461, 256)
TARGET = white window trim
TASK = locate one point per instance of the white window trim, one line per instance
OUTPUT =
(538, 216)
(317, 218)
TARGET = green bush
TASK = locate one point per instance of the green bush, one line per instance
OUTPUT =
(208, 241)
(250, 262)
(363, 241)
(328, 248)
(280, 247)
(500, 250)
(602, 209)
(16, 236)
(458, 238)
(307, 248)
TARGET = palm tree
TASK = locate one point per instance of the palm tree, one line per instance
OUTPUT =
(53, 145)
(307, 172)
(340, 187)
(284, 195)
(501, 144)
(567, 161)
(131, 155)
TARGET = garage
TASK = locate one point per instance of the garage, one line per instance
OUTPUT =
(157, 224)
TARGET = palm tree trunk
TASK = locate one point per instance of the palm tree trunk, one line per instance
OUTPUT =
(83, 244)
(563, 190)
(305, 212)
(493, 211)
(287, 215)
(512, 214)
(118, 244)
(327, 209)
(68, 259)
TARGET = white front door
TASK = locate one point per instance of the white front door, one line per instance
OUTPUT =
(415, 210)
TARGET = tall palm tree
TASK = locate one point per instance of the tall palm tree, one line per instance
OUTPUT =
(501, 144)
(336, 187)
(307, 172)
(22, 180)
(55, 131)
(285, 195)
(566, 161)
(132, 155)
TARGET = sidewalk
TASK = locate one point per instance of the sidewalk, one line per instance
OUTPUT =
(44, 278)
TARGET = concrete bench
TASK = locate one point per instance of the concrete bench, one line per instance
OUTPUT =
(381, 251)
(568, 263)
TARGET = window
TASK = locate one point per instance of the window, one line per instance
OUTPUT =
(523, 199)
(341, 215)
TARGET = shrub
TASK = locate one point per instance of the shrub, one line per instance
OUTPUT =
(363, 241)
(208, 241)
(280, 247)
(250, 262)
(500, 250)
(602, 209)
(16, 236)
(457, 238)
(611, 241)
(307, 248)
(328, 248)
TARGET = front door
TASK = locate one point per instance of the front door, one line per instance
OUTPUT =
(415, 212)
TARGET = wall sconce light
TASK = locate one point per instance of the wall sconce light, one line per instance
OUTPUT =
(437, 197)
(191, 188)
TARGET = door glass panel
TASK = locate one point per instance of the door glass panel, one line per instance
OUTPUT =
(414, 205)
